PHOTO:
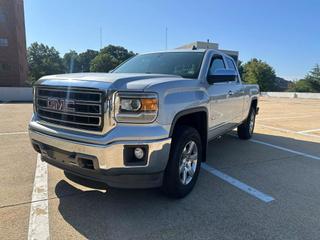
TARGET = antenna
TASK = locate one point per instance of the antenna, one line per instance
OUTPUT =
(100, 38)
(166, 37)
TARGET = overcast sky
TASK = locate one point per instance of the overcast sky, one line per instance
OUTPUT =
(286, 34)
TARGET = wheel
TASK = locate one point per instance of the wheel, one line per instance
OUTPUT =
(184, 162)
(245, 130)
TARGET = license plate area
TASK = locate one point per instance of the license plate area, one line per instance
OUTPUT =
(69, 158)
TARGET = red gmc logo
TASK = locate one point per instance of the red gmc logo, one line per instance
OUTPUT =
(60, 104)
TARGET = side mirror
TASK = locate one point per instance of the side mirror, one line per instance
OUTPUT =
(222, 75)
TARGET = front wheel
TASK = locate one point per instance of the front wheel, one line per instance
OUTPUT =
(184, 163)
(245, 130)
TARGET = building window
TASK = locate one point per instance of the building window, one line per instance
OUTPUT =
(4, 67)
(3, 42)
(3, 17)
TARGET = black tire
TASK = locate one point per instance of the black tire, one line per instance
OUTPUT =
(245, 130)
(184, 138)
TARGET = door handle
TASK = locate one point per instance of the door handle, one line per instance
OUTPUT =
(230, 93)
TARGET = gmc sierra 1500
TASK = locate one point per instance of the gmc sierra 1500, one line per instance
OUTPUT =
(145, 124)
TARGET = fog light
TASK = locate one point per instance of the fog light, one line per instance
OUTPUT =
(138, 153)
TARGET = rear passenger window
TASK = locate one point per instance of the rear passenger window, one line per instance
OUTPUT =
(231, 64)
(216, 63)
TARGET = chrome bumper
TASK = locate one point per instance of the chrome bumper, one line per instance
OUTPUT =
(108, 160)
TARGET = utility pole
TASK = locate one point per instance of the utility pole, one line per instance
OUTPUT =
(100, 38)
(166, 37)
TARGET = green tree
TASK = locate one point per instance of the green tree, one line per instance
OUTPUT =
(300, 86)
(311, 83)
(85, 59)
(118, 52)
(240, 68)
(313, 78)
(43, 60)
(258, 72)
(109, 58)
(71, 62)
(103, 62)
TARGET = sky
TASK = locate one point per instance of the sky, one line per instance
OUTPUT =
(285, 34)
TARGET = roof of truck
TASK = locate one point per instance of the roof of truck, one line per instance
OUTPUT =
(202, 50)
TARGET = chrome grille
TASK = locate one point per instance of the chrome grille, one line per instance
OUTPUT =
(75, 108)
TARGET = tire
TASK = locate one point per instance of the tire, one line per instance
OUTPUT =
(184, 161)
(245, 130)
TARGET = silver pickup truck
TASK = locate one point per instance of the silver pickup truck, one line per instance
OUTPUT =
(145, 124)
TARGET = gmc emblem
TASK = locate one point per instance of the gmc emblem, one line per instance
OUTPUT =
(60, 104)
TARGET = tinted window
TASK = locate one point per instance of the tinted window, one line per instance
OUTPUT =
(230, 64)
(216, 63)
(184, 64)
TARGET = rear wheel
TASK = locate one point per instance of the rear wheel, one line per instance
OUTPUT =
(184, 163)
(245, 130)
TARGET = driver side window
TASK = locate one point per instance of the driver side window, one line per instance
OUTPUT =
(216, 63)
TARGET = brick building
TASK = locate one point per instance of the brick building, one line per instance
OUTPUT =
(13, 62)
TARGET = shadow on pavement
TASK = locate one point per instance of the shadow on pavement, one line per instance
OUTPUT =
(111, 214)
(218, 211)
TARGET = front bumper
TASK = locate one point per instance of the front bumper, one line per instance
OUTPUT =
(106, 162)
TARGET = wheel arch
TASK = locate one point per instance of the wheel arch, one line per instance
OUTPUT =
(197, 118)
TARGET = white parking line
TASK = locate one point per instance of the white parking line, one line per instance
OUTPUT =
(286, 149)
(242, 186)
(12, 133)
(39, 220)
(311, 130)
(288, 131)
(284, 117)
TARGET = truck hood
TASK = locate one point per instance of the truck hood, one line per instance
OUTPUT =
(118, 81)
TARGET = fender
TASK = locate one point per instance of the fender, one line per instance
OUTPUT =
(191, 111)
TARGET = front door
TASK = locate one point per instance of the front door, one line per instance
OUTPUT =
(220, 113)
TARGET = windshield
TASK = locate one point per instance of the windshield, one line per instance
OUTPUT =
(184, 64)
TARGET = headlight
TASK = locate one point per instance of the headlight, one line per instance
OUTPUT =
(136, 107)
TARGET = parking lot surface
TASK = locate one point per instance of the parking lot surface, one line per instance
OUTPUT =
(264, 188)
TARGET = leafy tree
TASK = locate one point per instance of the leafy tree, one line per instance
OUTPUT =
(300, 86)
(43, 60)
(313, 78)
(71, 62)
(240, 68)
(109, 58)
(103, 62)
(311, 83)
(118, 52)
(85, 58)
(258, 72)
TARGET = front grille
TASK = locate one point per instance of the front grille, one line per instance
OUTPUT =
(75, 108)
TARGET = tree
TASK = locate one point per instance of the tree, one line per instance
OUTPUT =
(118, 52)
(313, 78)
(240, 68)
(103, 62)
(300, 86)
(311, 83)
(85, 58)
(258, 72)
(109, 58)
(43, 60)
(71, 62)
